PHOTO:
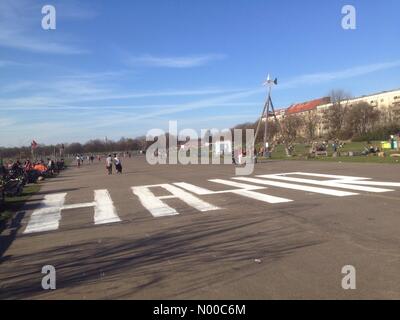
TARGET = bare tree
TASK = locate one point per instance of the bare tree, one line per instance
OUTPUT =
(361, 118)
(290, 127)
(334, 116)
(75, 148)
(393, 114)
(311, 121)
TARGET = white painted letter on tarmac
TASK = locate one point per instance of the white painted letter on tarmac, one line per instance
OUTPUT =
(104, 210)
(47, 217)
(158, 208)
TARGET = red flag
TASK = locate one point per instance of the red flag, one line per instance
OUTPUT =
(34, 144)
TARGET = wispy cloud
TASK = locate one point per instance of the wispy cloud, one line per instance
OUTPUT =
(224, 100)
(16, 87)
(4, 122)
(77, 10)
(22, 42)
(76, 92)
(316, 78)
(173, 62)
(9, 63)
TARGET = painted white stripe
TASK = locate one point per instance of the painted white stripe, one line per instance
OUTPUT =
(346, 179)
(47, 217)
(202, 191)
(190, 199)
(321, 175)
(332, 184)
(167, 197)
(278, 184)
(160, 209)
(243, 186)
(78, 205)
(245, 192)
(104, 210)
(195, 189)
(152, 203)
(372, 183)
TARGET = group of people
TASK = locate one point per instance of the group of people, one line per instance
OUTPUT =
(371, 149)
(111, 160)
(50, 166)
(117, 163)
(322, 147)
(30, 170)
(80, 159)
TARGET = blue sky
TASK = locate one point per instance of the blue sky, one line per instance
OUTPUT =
(120, 68)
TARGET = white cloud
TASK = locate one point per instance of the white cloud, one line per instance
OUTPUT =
(34, 44)
(173, 62)
(9, 63)
(4, 122)
(126, 118)
(316, 78)
(74, 92)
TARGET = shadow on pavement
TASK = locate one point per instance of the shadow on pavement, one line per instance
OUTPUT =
(12, 229)
(191, 257)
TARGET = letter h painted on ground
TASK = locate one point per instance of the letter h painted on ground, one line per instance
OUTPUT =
(47, 217)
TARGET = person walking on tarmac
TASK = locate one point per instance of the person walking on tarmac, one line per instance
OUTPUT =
(78, 160)
(109, 164)
(118, 164)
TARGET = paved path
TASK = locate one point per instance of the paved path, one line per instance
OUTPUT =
(200, 232)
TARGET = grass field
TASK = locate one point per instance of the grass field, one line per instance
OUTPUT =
(301, 153)
(15, 204)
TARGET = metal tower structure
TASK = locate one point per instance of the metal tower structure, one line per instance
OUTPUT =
(267, 112)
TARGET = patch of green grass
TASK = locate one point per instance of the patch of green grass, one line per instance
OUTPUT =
(302, 150)
(360, 159)
(14, 204)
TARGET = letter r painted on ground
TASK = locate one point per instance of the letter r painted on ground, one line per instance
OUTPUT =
(158, 208)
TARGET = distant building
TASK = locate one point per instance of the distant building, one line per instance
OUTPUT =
(387, 101)
(307, 106)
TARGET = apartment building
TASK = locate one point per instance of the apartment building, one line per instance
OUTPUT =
(388, 101)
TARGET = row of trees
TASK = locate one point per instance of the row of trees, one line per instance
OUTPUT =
(92, 146)
(341, 121)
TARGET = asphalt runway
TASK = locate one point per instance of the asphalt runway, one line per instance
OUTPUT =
(168, 232)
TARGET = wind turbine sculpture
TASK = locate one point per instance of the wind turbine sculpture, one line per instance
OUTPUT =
(269, 83)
